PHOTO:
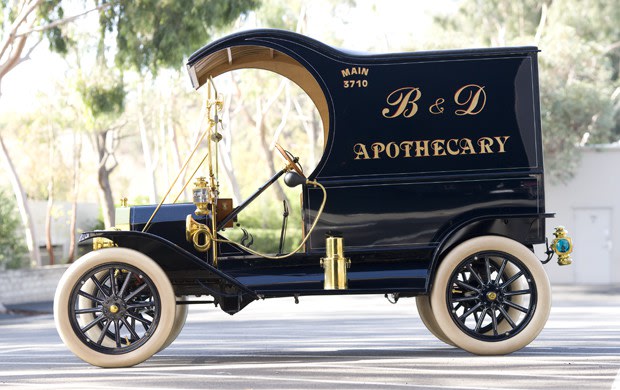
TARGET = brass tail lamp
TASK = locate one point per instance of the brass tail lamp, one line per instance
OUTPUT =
(562, 246)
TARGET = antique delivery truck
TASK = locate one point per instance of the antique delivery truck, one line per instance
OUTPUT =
(430, 185)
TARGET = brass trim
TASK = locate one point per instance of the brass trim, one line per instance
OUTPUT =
(200, 195)
(102, 243)
(198, 234)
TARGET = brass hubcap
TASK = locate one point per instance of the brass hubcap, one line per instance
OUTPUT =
(491, 296)
(113, 309)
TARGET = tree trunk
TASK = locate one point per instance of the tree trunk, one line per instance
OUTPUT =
(49, 246)
(164, 113)
(310, 125)
(103, 175)
(22, 205)
(268, 155)
(77, 154)
(72, 231)
(146, 149)
(174, 144)
(105, 195)
(11, 49)
(317, 128)
(261, 129)
(225, 146)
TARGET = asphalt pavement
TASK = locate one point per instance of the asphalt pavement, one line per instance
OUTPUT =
(345, 342)
(27, 309)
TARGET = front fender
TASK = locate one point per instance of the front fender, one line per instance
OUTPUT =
(181, 266)
(169, 256)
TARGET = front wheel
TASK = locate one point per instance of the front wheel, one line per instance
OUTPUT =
(179, 322)
(114, 307)
(491, 296)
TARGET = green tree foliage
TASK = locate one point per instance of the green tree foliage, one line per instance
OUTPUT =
(47, 12)
(488, 23)
(100, 100)
(152, 34)
(12, 248)
(578, 64)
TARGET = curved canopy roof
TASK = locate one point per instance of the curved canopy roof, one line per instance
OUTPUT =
(256, 50)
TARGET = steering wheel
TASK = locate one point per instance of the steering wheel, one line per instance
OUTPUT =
(292, 161)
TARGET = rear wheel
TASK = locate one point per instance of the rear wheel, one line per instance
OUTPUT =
(114, 307)
(491, 296)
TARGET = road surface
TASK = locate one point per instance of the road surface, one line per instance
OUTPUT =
(356, 342)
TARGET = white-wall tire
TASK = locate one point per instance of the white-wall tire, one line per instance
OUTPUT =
(423, 303)
(180, 317)
(462, 310)
(145, 303)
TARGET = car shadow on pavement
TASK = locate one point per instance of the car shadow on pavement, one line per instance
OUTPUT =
(295, 356)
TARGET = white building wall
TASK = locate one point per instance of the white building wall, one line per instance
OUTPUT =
(589, 207)
(29, 285)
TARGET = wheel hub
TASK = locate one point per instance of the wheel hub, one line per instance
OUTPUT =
(114, 307)
(492, 296)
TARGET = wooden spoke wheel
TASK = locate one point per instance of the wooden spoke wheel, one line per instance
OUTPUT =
(491, 296)
(114, 307)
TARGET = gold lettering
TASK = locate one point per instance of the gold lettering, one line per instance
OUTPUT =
(377, 148)
(502, 142)
(466, 145)
(430, 147)
(453, 152)
(436, 108)
(421, 151)
(355, 70)
(360, 152)
(404, 99)
(438, 147)
(485, 145)
(392, 150)
(474, 100)
(406, 147)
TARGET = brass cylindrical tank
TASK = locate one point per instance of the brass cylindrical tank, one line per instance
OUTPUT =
(335, 264)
